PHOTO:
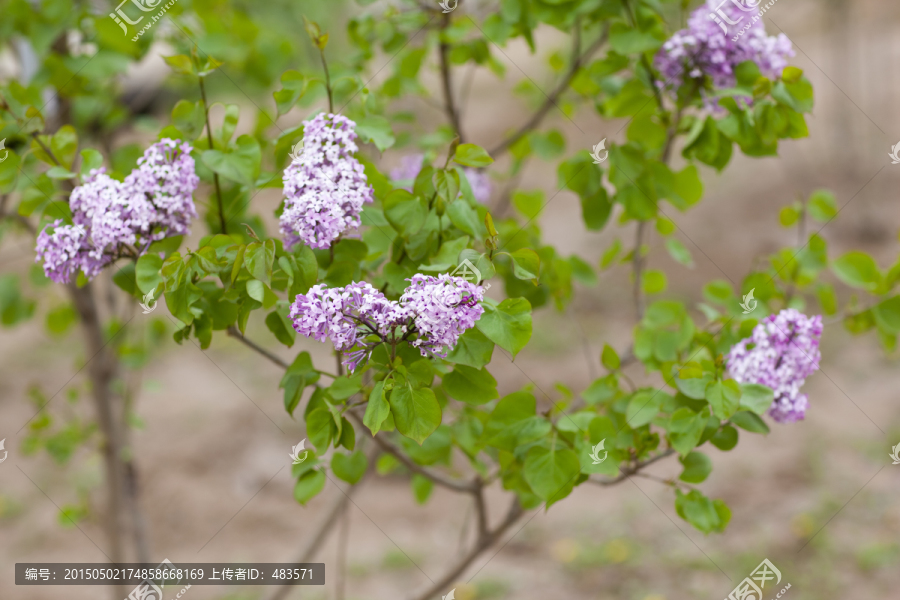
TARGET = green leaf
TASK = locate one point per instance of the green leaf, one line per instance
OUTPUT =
(309, 485)
(298, 376)
(60, 173)
(887, 314)
(749, 421)
(678, 252)
(472, 349)
(90, 159)
(697, 467)
(240, 165)
(281, 327)
(685, 429)
(422, 487)
(551, 473)
(725, 439)
(610, 358)
(188, 117)
(376, 129)
(822, 206)
(64, 145)
(628, 40)
(405, 212)
(181, 64)
(724, 397)
(857, 269)
(471, 155)
(446, 183)
(654, 281)
(642, 407)
(701, 512)
(514, 422)
(473, 386)
(508, 324)
(60, 319)
(378, 409)
(259, 260)
(147, 272)
(526, 264)
(416, 411)
(595, 209)
(293, 86)
(528, 203)
(350, 467)
(756, 398)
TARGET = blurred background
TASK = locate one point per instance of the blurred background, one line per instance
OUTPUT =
(212, 438)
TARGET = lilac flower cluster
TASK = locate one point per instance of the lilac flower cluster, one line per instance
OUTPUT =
(325, 187)
(154, 202)
(411, 164)
(705, 47)
(781, 353)
(436, 309)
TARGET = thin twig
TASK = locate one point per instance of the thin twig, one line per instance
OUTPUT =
(513, 514)
(629, 471)
(470, 487)
(446, 80)
(538, 116)
(637, 267)
(209, 137)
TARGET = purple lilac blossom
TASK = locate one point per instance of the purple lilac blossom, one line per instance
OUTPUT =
(444, 308)
(439, 308)
(411, 164)
(325, 187)
(705, 48)
(154, 202)
(781, 353)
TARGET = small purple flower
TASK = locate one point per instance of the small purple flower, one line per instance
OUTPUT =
(154, 202)
(706, 49)
(781, 353)
(411, 164)
(358, 317)
(325, 187)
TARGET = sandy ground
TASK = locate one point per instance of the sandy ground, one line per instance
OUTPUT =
(213, 443)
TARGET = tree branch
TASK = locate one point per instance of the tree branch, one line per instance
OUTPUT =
(629, 471)
(535, 120)
(321, 532)
(470, 487)
(513, 514)
(222, 223)
(449, 100)
(637, 268)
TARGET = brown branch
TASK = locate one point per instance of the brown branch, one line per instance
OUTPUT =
(318, 537)
(633, 469)
(470, 487)
(538, 116)
(637, 267)
(235, 333)
(446, 80)
(209, 137)
(513, 514)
